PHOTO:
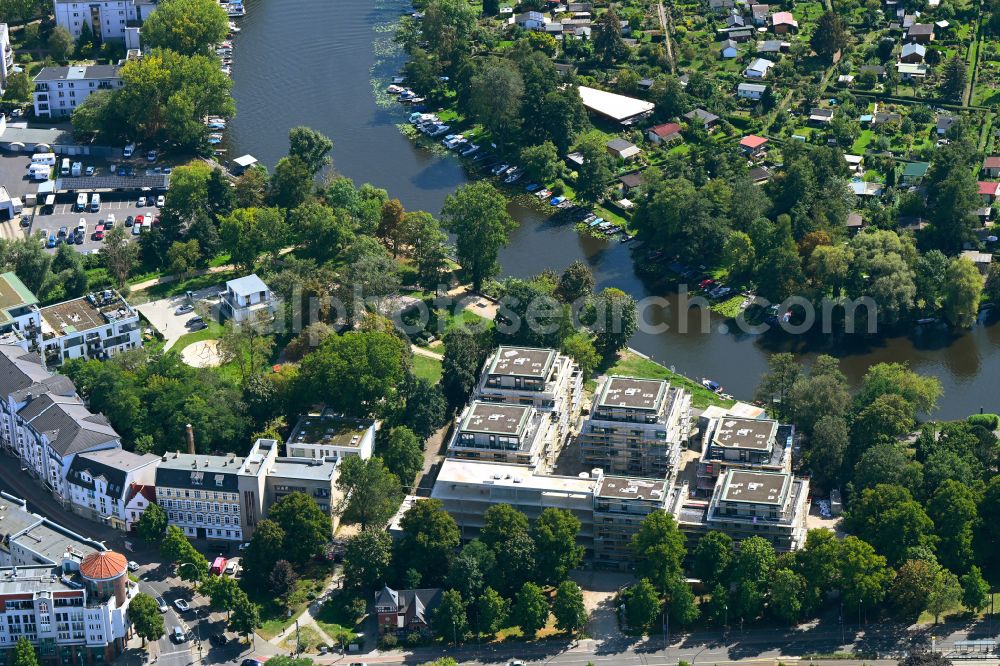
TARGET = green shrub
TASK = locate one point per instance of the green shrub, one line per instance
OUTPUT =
(988, 421)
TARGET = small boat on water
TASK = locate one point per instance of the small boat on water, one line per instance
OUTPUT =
(714, 387)
(233, 28)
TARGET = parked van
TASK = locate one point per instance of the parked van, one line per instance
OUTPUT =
(95, 203)
(39, 172)
(77, 169)
(48, 159)
(81, 202)
(129, 149)
(65, 167)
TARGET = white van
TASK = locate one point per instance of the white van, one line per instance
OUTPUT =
(77, 169)
(129, 149)
(39, 172)
(65, 167)
(81, 202)
(48, 159)
(95, 203)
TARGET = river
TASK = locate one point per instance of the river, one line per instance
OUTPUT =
(324, 64)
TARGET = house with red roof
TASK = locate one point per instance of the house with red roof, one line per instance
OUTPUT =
(991, 166)
(665, 133)
(783, 23)
(989, 191)
(753, 145)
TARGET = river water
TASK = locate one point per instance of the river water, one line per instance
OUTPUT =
(324, 64)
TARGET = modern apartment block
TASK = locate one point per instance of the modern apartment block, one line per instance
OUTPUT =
(59, 90)
(542, 378)
(731, 442)
(95, 326)
(66, 594)
(225, 497)
(636, 427)
(747, 503)
(502, 433)
(20, 320)
(108, 20)
(100, 482)
(327, 435)
(244, 298)
(6, 57)
(620, 506)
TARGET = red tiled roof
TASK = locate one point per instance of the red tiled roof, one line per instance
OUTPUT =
(783, 17)
(992, 162)
(986, 187)
(102, 566)
(752, 141)
(149, 492)
(665, 130)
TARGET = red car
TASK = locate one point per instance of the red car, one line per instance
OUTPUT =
(139, 219)
(705, 284)
(99, 232)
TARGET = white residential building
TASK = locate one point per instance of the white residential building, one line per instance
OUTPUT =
(20, 320)
(94, 326)
(59, 90)
(6, 57)
(244, 298)
(543, 378)
(43, 422)
(752, 91)
(109, 20)
(137, 499)
(66, 594)
(501, 433)
(100, 482)
(758, 69)
(327, 435)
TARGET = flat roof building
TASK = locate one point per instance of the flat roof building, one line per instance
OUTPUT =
(503, 433)
(96, 326)
(636, 427)
(328, 435)
(60, 90)
(743, 443)
(621, 109)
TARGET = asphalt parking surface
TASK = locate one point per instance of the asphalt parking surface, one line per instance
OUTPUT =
(65, 214)
(160, 313)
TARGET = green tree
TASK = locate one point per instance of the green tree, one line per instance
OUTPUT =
(310, 146)
(953, 509)
(642, 605)
(541, 162)
(403, 454)
(60, 44)
(945, 593)
(609, 44)
(477, 215)
(146, 619)
(245, 616)
(659, 547)
(580, 348)
(491, 612)
(975, 590)
(890, 519)
(430, 537)
(358, 372)
(829, 36)
(249, 233)
(465, 352)
(495, 93)
(594, 175)
(189, 27)
(919, 391)
(19, 88)
(174, 544)
(390, 228)
(291, 183)
(751, 574)
(827, 447)
(151, 523)
(371, 492)
(682, 608)
(119, 255)
(266, 548)
(775, 386)
(427, 247)
(556, 551)
(367, 558)
(576, 283)
(911, 587)
(786, 593)
(568, 607)
(712, 557)
(471, 568)
(450, 620)
(963, 289)
(24, 653)
(307, 528)
(281, 582)
(505, 531)
(954, 78)
(530, 610)
(616, 321)
(184, 257)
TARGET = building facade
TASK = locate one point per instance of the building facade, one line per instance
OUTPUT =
(20, 320)
(502, 433)
(405, 611)
(7, 59)
(620, 506)
(246, 298)
(636, 427)
(59, 90)
(95, 326)
(108, 20)
(542, 378)
(327, 435)
(99, 483)
(731, 442)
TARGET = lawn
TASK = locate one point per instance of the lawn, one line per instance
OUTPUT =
(636, 366)
(194, 283)
(308, 640)
(427, 368)
(213, 331)
(335, 618)
(861, 143)
(275, 618)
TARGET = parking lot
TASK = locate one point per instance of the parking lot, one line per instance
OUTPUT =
(65, 215)
(160, 313)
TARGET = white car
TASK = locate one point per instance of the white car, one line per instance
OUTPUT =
(133, 566)
(161, 603)
(151, 156)
(160, 200)
(141, 203)
(181, 605)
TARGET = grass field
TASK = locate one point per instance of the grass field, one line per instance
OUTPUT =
(427, 368)
(631, 364)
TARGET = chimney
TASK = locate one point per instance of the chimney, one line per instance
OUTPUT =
(190, 438)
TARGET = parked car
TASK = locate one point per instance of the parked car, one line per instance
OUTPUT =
(63, 231)
(181, 605)
(231, 568)
(184, 309)
(198, 326)
(129, 220)
(141, 203)
(161, 603)
(151, 156)
(99, 232)
(129, 149)
(178, 634)
(194, 321)
(89, 171)
(160, 201)
(133, 566)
